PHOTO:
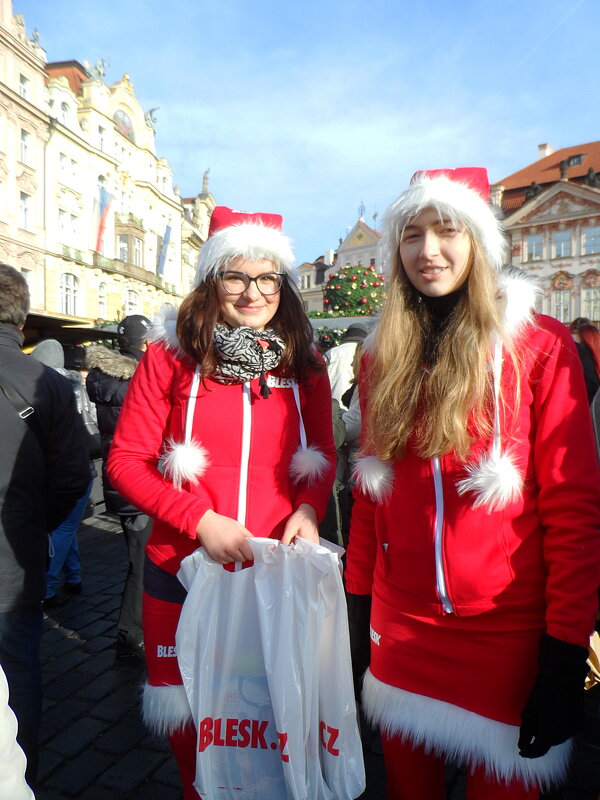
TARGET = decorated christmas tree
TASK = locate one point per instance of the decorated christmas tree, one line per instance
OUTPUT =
(353, 291)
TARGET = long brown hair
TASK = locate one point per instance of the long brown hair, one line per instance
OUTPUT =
(450, 403)
(590, 336)
(200, 312)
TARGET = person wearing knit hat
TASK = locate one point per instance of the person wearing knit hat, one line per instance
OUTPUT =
(225, 433)
(473, 560)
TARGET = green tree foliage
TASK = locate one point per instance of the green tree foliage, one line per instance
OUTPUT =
(353, 292)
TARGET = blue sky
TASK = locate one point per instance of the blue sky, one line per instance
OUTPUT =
(307, 109)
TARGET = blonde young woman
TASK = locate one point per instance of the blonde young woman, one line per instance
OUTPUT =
(475, 523)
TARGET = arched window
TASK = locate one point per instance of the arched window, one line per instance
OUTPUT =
(102, 301)
(64, 113)
(69, 294)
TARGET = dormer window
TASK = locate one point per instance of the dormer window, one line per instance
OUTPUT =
(575, 161)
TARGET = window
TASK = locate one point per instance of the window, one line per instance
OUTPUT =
(69, 294)
(137, 252)
(74, 170)
(561, 242)
(26, 273)
(122, 247)
(372, 262)
(575, 161)
(561, 301)
(102, 301)
(62, 225)
(101, 133)
(62, 166)
(25, 146)
(591, 240)
(24, 87)
(132, 303)
(74, 229)
(533, 248)
(306, 281)
(590, 303)
(64, 113)
(24, 211)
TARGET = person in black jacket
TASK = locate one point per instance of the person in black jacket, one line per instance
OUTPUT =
(44, 470)
(106, 383)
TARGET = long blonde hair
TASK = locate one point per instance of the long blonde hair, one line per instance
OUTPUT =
(450, 403)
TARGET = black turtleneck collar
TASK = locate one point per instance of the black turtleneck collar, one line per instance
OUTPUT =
(439, 310)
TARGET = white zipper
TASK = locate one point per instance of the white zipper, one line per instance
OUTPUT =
(245, 458)
(440, 576)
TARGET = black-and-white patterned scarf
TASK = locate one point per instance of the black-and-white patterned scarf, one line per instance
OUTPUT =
(244, 354)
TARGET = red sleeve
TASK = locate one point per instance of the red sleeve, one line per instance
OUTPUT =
(362, 545)
(138, 444)
(569, 490)
(315, 400)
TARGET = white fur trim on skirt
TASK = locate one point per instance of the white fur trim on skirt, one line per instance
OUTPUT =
(165, 709)
(460, 735)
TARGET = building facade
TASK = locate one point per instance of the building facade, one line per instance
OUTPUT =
(24, 133)
(552, 215)
(361, 248)
(87, 208)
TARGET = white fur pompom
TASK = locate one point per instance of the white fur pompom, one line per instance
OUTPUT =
(495, 481)
(183, 462)
(308, 463)
(374, 477)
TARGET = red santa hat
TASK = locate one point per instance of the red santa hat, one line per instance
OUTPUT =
(241, 234)
(461, 195)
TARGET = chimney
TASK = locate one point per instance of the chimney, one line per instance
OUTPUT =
(328, 257)
(545, 150)
(496, 194)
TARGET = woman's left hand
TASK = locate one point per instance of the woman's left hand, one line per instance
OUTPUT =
(302, 523)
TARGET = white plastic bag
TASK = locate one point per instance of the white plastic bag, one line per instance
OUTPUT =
(265, 659)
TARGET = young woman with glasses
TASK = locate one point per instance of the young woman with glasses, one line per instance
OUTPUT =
(225, 433)
(475, 522)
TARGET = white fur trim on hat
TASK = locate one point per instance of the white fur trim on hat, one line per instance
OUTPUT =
(165, 709)
(164, 330)
(450, 199)
(520, 292)
(247, 240)
(460, 735)
(309, 464)
(495, 481)
(373, 477)
(184, 462)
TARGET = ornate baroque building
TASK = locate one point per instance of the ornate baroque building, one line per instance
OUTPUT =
(88, 210)
(552, 213)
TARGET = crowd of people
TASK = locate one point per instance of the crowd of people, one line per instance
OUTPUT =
(449, 448)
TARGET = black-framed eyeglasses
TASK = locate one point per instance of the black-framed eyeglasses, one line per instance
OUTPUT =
(238, 282)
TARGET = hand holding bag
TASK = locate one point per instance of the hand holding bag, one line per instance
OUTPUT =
(264, 656)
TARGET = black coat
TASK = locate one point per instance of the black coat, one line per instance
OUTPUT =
(592, 382)
(107, 383)
(40, 479)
